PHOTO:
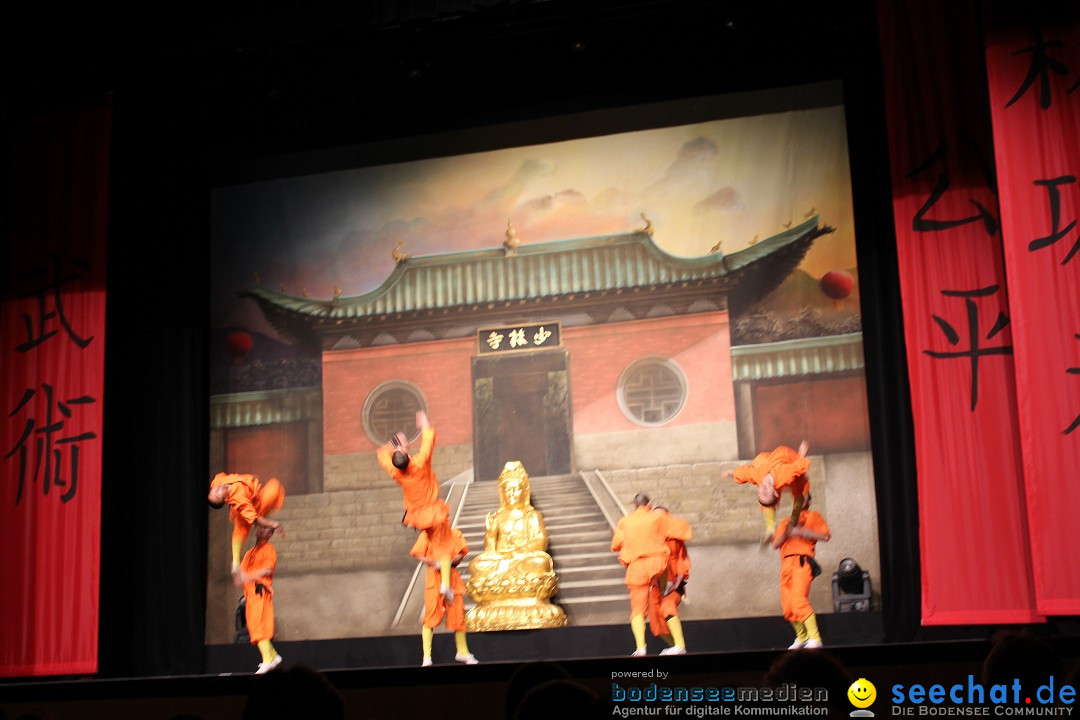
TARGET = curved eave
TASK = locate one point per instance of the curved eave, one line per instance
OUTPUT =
(544, 270)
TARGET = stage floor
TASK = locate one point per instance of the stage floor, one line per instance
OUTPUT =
(381, 677)
(569, 643)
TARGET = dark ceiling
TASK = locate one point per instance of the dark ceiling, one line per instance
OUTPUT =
(275, 80)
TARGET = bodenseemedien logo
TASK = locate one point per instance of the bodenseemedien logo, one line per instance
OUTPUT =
(631, 698)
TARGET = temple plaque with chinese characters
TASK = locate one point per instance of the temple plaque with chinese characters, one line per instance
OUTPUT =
(516, 338)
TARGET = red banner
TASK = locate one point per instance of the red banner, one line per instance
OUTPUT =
(973, 535)
(1034, 81)
(52, 350)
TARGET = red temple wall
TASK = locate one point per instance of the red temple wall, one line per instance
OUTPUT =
(699, 344)
(268, 451)
(830, 412)
(442, 370)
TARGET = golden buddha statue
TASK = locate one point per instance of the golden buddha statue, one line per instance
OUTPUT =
(512, 579)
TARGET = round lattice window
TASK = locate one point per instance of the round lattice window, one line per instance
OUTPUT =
(652, 391)
(391, 408)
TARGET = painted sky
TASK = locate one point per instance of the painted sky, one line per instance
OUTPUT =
(728, 181)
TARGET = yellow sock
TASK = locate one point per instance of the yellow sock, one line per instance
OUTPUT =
(266, 649)
(800, 631)
(459, 640)
(637, 625)
(668, 639)
(425, 635)
(796, 508)
(675, 626)
(770, 518)
(237, 543)
(444, 575)
(812, 631)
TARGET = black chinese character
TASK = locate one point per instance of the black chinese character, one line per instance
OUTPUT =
(1073, 371)
(975, 352)
(48, 448)
(1041, 64)
(52, 287)
(921, 223)
(1055, 218)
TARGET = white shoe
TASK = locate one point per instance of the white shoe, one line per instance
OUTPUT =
(268, 666)
(797, 645)
(811, 644)
(469, 659)
(426, 663)
(674, 650)
(640, 652)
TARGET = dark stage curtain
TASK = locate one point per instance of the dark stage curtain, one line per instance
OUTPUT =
(154, 517)
(883, 339)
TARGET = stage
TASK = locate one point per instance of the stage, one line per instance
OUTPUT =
(380, 677)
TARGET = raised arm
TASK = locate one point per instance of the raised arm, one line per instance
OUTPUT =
(427, 444)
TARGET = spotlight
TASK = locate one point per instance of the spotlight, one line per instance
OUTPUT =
(851, 587)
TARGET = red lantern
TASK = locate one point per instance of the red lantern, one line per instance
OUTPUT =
(837, 284)
(238, 344)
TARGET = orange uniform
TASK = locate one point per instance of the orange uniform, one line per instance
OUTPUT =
(429, 549)
(785, 465)
(662, 607)
(423, 507)
(259, 593)
(249, 499)
(641, 541)
(795, 571)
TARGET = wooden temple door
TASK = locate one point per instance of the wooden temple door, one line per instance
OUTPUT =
(521, 411)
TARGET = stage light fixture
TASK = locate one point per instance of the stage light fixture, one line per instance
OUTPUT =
(851, 587)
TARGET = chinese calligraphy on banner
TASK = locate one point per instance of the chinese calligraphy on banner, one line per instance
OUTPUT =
(52, 349)
(1034, 83)
(959, 330)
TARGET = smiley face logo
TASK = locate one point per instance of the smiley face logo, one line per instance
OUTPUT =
(862, 693)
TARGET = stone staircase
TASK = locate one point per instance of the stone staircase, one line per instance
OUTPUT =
(591, 589)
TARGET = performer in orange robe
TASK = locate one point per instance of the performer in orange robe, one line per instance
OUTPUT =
(424, 509)
(771, 472)
(257, 575)
(641, 540)
(796, 542)
(436, 606)
(250, 502)
(666, 594)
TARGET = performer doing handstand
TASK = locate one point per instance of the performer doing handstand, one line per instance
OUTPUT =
(772, 472)
(424, 509)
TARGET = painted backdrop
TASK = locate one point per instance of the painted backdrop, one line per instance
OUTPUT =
(703, 281)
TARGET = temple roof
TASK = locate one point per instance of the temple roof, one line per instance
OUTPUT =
(479, 278)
